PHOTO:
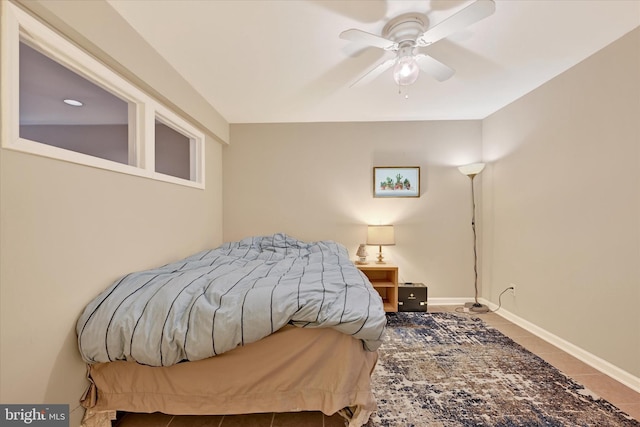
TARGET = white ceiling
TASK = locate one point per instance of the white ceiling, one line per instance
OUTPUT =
(260, 61)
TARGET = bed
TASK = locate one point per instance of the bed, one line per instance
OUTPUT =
(264, 324)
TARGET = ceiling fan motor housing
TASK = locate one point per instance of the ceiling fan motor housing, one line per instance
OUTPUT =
(405, 29)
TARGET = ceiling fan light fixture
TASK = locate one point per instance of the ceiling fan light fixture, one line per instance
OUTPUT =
(405, 32)
(406, 71)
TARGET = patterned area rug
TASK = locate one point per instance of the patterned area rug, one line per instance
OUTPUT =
(445, 369)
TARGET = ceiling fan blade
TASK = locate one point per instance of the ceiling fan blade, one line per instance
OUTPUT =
(374, 72)
(467, 16)
(360, 36)
(434, 68)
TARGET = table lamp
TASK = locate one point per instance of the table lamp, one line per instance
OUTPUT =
(380, 235)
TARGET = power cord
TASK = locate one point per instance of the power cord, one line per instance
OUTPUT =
(461, 309)
(500, 299)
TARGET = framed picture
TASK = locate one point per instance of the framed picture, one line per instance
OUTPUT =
(396, 181)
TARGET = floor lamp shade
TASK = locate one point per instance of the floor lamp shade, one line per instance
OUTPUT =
(472, 169)
(380, 235)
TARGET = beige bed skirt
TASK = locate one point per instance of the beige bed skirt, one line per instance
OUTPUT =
(292, 370)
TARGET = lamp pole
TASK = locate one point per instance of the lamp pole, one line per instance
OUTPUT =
(476, 307)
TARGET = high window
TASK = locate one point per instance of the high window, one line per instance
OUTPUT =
(61, 108)
(60, 102)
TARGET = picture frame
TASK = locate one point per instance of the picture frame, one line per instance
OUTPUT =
(396, 181)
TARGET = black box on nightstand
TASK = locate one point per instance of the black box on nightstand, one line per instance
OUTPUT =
(412, 297)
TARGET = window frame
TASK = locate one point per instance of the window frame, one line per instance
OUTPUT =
(19, 26)
(196, 149)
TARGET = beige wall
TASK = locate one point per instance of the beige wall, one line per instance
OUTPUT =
(314, 181)
(562, 205)
(68, 231)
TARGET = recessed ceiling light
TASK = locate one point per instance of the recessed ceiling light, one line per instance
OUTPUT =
(73, 102)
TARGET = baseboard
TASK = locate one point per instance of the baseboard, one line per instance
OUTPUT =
(447, 301)
(590, 359)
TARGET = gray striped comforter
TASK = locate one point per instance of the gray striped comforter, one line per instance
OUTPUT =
(216, 300)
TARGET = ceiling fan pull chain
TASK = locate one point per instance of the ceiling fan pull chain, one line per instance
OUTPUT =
(406, 95)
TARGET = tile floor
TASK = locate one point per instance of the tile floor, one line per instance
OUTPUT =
(618, 394)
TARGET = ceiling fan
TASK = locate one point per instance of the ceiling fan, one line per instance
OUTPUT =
(407, 32)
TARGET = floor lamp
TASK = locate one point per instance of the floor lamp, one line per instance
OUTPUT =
(471, 171)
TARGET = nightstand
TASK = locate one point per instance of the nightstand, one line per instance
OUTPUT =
(384, 278)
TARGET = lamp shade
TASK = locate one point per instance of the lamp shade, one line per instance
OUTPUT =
(472, 169)
(380, 235)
